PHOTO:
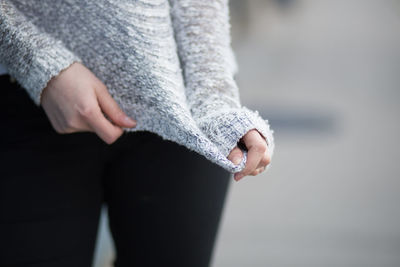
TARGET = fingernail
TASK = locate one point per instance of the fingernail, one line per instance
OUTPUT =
(129, 121)
(236, 160)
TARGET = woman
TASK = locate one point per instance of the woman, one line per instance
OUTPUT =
(138, 74)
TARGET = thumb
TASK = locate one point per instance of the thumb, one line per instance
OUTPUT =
(111, 108)
(236, 155)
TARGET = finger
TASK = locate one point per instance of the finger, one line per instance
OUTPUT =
(266, 159)
(236, 155)
(108, 132)
(111, 108)
(253, 158)
(258, 171)
(256, 149)
(82, 126)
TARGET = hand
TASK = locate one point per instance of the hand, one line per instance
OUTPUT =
(75, 100)
(258, 156)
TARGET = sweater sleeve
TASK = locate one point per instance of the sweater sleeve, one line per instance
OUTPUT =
(31, 56)
(202, 33)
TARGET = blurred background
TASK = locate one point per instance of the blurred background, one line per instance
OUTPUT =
(326, 74)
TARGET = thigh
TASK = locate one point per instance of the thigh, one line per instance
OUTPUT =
(164, 203)
(50, 187)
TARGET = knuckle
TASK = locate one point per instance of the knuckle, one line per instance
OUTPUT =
(64, 130)
(109, 141)
(111, 138)
(87, 111)
(61, 129)
(258, 171)
(71, 123)
(246, 171)
(261, 148)
(254, 173)
(69, 130)
(266, 160)
(58, 130)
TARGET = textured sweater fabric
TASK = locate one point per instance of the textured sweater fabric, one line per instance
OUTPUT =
(168, 64)
(3, 70)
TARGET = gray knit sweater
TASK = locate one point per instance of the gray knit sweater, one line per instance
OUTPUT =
(167, 63)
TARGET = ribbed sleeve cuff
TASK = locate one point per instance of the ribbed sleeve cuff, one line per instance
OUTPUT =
(45, 65)
(226, 127)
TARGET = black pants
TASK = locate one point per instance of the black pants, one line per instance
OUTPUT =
(164, 201)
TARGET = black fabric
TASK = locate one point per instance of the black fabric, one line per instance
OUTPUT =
(164, 201)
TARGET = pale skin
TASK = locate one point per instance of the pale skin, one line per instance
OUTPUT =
(77, 101)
